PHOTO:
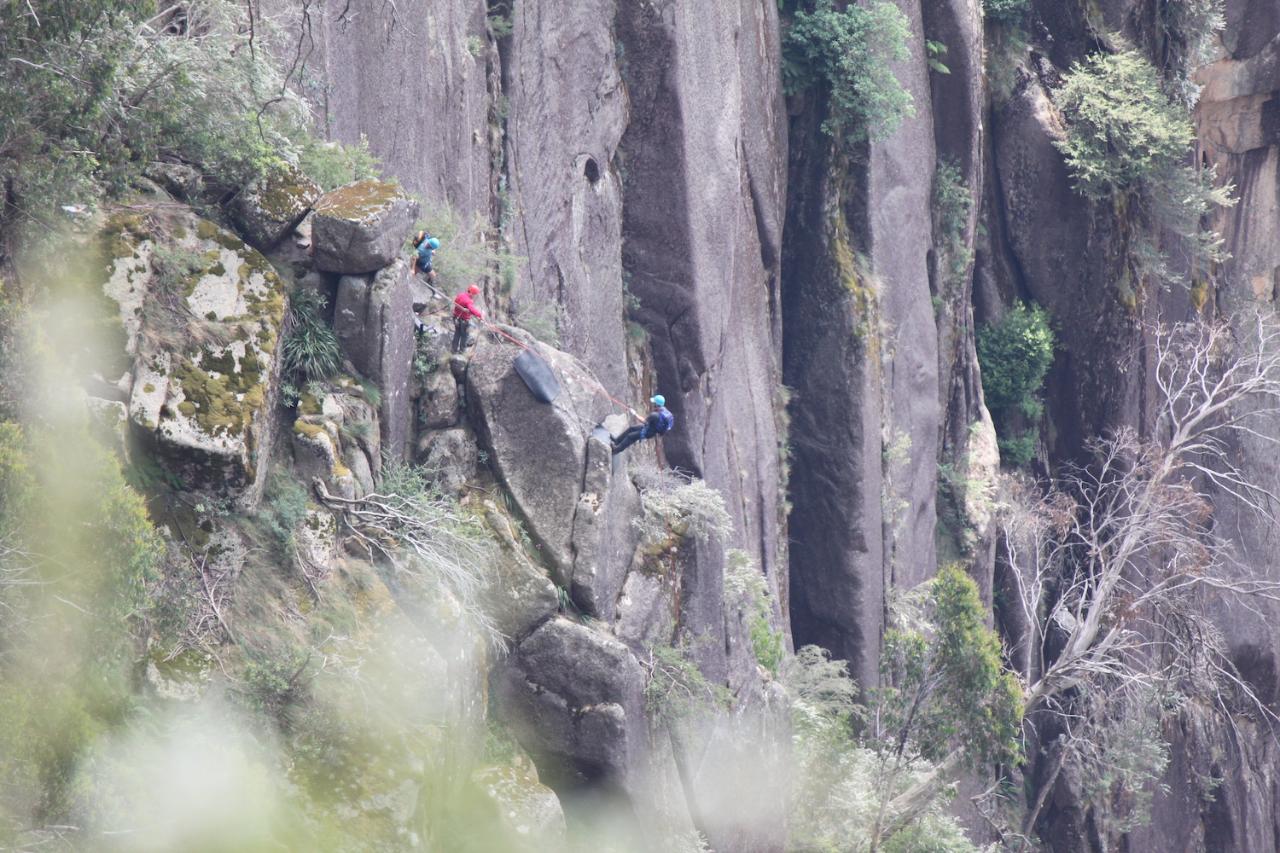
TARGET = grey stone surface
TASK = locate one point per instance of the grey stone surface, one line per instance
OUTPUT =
(362, 227)
(271, 207)
(201, 397)
(450, 457)
(538, 450)
(373, 319)
(575, 697)
(566, 119)
(527, 810)
(519, 594)
(178, 179)
(438, 403)
(109, 421)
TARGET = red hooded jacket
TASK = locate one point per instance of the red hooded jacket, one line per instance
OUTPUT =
(464, 307)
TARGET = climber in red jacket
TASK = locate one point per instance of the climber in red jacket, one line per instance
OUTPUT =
(464, 308)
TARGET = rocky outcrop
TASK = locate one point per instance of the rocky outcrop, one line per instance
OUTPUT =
(878, 344)
(373, 319)
(336, 438)
(202, 314)
(362, 227)
(545, 457)
(575, 697)
(273, 206)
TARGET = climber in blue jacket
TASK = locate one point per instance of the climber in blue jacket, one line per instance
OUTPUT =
(659, 422)
(426, 246)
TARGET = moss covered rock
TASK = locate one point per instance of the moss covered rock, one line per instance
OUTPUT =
(273, 206)
(202, 313)
(362, 227)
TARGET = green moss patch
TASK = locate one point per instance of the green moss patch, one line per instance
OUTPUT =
(223, 395)
(285, 193)
(358, 201)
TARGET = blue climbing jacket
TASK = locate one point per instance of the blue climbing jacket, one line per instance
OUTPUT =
(659, 422)
(424, 254)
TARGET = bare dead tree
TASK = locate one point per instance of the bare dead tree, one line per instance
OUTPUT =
(424, 537)
(1113, 565)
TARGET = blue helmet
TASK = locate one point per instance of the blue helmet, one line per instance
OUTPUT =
(433, 243)
(658, 400)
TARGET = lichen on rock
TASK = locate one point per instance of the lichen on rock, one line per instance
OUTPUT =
(201, 313)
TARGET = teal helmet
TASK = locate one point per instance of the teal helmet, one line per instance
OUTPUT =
(433, 243)
(658, 400)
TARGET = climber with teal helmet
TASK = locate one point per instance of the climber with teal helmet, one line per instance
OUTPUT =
(659, 422)
(426, 246)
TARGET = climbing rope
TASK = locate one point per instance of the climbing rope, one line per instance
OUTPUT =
(491, 327)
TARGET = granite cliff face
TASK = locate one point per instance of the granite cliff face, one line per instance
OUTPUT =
(642, 161)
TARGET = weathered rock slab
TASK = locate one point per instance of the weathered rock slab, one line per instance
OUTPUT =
(202, 314)
(539, 450)
(575, 698)
(373, 319)
(362, 227)
(273, 206)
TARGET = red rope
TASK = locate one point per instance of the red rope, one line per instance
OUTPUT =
(491, 327)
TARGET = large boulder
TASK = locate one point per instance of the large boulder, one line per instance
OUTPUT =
(450, 458)
(201, 314)
(373, 319)
(540, 452)
(362, 227)
(272, 206)
(575, 698)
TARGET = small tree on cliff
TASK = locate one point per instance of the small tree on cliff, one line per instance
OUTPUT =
(851, 50)
(944, 689)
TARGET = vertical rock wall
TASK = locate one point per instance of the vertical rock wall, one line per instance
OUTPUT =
(875, 349)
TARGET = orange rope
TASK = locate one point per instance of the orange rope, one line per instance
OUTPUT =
(491, 327)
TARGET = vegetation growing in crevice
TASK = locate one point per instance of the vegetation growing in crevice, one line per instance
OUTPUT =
(746, 587)
(676, 506)
(311, 351)
(1128, 143)
(1185, 34)
(952, 205)
(849, 51)
(676, 689)
(1004, 10)
(470, 252)
(1015, 355)
(332, 164)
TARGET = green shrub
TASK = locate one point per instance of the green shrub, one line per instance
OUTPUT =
(1127, 141)
(844, 773)
(96, 90)
(1018, 450)
(946, 686)
(1123, 133)
(332, 164)
(1187, 30)
(310, 347)
(1015, 354)
(850, 50)
(745, 586)
(676, 689)
(1004, 10)
(675, 507)
(283, 511)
